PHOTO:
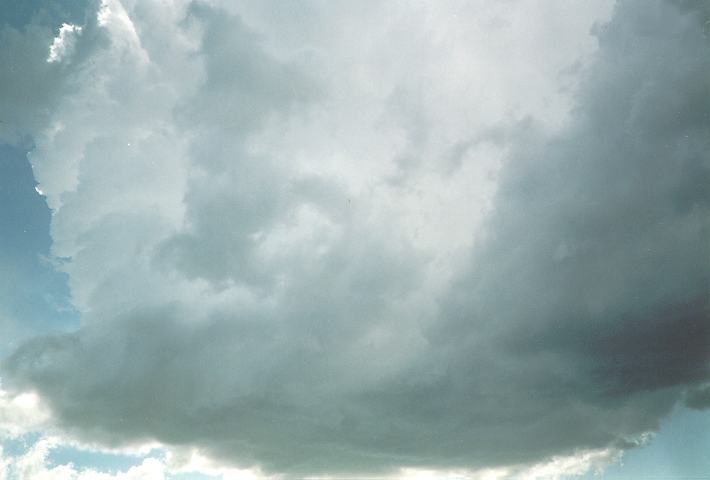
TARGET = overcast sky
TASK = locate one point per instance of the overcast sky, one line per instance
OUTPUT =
(443, 240)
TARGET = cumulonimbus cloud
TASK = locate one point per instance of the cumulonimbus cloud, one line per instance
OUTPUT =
(304, 256)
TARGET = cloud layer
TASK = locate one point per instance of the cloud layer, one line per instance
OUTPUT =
(451, 236)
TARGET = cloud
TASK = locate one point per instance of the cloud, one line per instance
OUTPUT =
(698, 398)
(31, 446)
(20, 413)
(403, 239)
(34, 464)
(64, 43)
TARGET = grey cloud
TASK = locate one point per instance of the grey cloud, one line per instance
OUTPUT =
(237, 195)
(243, 84)
(698, 398)
(593, 279)
(578, 321)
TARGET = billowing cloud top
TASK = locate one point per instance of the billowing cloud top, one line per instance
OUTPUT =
(347, 239)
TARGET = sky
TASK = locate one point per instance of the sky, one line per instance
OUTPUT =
(325, 240)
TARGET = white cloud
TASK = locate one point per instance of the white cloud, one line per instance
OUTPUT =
(20, 413)
(190, 460)
(34, 465)
(63, 44)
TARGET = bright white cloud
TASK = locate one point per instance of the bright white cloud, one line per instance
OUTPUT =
(34, 465)
(63, 44)
(20, 413)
